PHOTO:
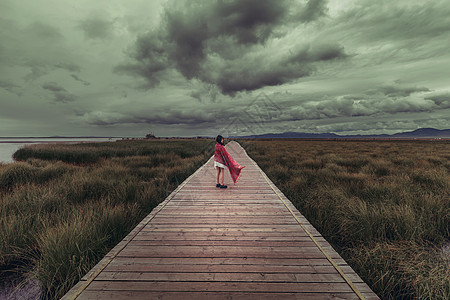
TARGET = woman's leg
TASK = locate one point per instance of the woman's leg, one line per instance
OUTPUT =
(218, 173)
(221, 177)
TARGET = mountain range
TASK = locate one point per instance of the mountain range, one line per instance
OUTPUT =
(418, 133)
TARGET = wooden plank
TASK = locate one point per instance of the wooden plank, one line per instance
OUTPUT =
(245, 261)
(236, 243)
(202, 295)
(219, 234)
(309, 287)
(222, 227)
(228, 251)
(223, 220)
(228, 236)
(144, 266)
(218, 276)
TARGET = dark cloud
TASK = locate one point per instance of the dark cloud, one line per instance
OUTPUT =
(60, 94)
(249, 22)
(68, 66)
(313, 10)
(226, 43)
(79, 79)
(95, 27)
(53, 86)
(152, 59)
(258, 71)
(11, 87)
(63, 97)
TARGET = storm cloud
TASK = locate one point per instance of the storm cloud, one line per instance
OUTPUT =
(188, 68)
(60, 94)
(79, 79)
(97, 27)
(231, 44)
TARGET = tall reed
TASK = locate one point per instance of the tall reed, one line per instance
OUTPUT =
(385, 205)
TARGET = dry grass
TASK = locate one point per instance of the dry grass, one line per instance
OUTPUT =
(66, 206)
(385, 205)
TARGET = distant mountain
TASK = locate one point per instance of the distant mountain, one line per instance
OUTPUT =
(418, 133)
(425, 132)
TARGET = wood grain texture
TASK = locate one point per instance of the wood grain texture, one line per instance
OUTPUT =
(203, 242)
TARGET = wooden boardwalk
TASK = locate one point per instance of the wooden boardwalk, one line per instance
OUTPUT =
(202, 242)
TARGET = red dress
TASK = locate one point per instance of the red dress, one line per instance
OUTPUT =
(222, 156)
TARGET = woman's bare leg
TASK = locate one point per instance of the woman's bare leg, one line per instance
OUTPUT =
(218, 173)
(222, 176)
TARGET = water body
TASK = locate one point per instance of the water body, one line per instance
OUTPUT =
(14, 287)
(10, 145)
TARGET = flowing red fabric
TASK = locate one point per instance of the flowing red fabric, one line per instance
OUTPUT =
(222, 156)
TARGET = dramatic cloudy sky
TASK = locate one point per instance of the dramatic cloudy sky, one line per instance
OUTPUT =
(203, 67)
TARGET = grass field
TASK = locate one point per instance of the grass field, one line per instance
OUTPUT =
(384, 205)
(64, 206)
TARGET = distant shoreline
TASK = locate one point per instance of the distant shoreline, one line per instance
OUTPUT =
(46, 142)
(61, 137)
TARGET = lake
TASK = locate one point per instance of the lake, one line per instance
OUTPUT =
(10, 145)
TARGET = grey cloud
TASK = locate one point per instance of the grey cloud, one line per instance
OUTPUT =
(314, 9)
(63, 97)
(3, 56)
(152, 58)
(442, 100)
(400, 91)
(251, 73)
(6, 85)
(37, 70)
(79, 79)
(11, 87)
(249, 22)
(60, 94)
(407, 31)
(68, 66)
(53, 86)
(196, 94)
(161, 117)
(42, 30)
(401, 21)
(366, 104)
(95, 27)
(225, 43)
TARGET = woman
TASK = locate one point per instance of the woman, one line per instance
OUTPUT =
(222, 161)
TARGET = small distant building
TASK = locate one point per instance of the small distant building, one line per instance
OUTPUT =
(150, 136)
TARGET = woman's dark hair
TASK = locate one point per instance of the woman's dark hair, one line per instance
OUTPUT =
(219, 139)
